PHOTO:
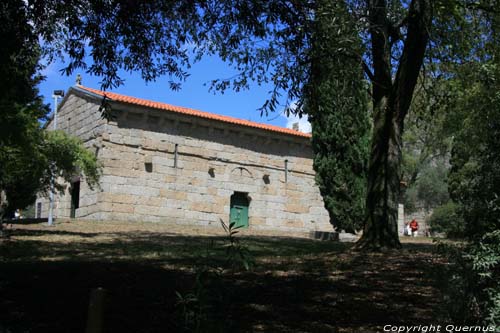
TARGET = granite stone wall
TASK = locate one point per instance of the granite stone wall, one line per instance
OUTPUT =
(78, 115)
(161, 166)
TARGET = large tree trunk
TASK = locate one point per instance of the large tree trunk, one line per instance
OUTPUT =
(381, 225)
(391, 101)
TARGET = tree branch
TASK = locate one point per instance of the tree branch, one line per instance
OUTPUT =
(419, 18)
(380, 49)
(368, 71)
(483, 7)
(395, 30)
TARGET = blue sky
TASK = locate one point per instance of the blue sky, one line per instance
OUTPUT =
(194, 94)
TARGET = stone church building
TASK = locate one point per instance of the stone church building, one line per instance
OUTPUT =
(164, 163)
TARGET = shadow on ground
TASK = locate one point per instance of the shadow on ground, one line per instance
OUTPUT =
(297, 285)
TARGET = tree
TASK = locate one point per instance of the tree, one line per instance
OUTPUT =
(474, 178)
(29, 156)
(337, 106)
(20, 104)
(474, 184)
(448, 219)
(430, 125)
(29, 171)
(270, 41)
(19, 99)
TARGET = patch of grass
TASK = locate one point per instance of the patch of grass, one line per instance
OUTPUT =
(297, 285)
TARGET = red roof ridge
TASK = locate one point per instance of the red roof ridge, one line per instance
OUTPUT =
(192, 112)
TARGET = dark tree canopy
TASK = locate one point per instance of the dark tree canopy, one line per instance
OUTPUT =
(29, 157)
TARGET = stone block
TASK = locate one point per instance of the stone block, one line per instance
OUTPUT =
(212, 191)
(122, 208)
(132, 140)
(181, 196)
(176, 204)
(147, 210)
(324, 235)
(172, 212)
(170, 179)
(116, 138)
(256, 221)
(106, 206)
(201, 207)
(151, 201)
(297, 208)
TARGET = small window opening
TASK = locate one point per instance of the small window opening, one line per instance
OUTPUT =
(148, 163)
(39, 210)
(286, 171)
(176, 155)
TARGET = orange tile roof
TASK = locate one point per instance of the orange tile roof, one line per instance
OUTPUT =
(191, 112)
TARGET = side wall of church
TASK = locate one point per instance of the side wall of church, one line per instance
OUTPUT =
(143, 181)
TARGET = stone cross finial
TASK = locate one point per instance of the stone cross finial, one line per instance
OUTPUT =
(79, 80)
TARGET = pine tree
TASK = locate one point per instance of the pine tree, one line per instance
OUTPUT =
(337, 107)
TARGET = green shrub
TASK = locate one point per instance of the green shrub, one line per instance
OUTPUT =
(448, 219)
(471, 282)
(485, 259)
(456, 281)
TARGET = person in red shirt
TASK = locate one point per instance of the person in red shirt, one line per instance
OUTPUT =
(414, 227)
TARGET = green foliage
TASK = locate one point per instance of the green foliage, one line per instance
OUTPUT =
(237, 254)
(485, 259)
(69, 157)
(474, 179)
(431, 185)
(457, 281)
(20, 107)
(337, 106)
(447, 218)
(29, 156)
(475, 185)
(474, 182)
(429, 129)
(19, 56)
(195, 306)
(470, 282)
(28, 171)
(430, 189)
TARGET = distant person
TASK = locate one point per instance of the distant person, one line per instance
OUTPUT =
(414, 227)
(406, 229)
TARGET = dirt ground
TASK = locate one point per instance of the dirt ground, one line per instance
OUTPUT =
(163, 278)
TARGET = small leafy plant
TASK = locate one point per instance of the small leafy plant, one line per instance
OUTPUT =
(237, 254)
(196, 305)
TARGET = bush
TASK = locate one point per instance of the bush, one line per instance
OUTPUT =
(485, 259)
(471, 283)
(448, 219)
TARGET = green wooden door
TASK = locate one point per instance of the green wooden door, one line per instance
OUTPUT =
(239, 210)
